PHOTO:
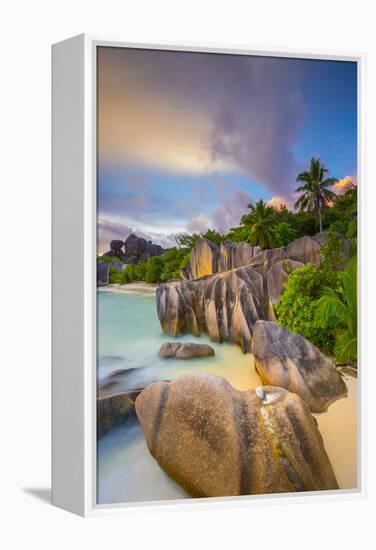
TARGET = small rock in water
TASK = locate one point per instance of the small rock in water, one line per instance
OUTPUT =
(186, 350)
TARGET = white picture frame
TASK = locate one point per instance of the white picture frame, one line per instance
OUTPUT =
(74, 278)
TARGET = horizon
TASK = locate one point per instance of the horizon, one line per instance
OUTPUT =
(187, 140)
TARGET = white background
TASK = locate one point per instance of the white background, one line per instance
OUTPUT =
(27, 30)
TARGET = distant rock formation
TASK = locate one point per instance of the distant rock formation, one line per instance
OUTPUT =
(116, 247)
(217, 441)
(133, 250)
(116, 250)
(138, 248)
(184, 350)
(286, 359)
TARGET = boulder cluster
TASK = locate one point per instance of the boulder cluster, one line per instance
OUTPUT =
(209, 437)
(228, 288)
(134, 249)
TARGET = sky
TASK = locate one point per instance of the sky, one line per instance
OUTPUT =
(185, 141)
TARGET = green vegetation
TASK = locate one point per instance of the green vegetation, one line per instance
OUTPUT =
(260, 223)
(114, 275)
(320, 303)
(154, 269)
(314, 191)
(298, 305)
(339, 305)
(188, 241)
(272, 226)
(283, 234)
(109, 259)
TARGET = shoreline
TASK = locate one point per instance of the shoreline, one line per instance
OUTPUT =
(136, 288)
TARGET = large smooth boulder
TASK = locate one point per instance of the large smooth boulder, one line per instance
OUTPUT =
(277, 277)
(203, 260)
(225, 306)
(184, 350)
(217, 441)
(286, 359)
(207, 258)
(265, 259)
(233, 255)
(305, 250)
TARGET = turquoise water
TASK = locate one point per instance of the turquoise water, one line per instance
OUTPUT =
(129, 337)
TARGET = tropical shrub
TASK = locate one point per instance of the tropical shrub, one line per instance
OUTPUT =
(283, 234)
(332, 251)
(339, 305)
(298, 305)
(154, 268)
(352, 229)
(114, 275)
(173, 260)
(238, 234)
(184, 240)
(340, 226)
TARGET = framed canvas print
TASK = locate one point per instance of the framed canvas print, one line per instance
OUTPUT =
(207, 269)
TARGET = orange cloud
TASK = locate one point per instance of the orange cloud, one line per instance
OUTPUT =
(342, 185)
(141, 124)
(278, 202)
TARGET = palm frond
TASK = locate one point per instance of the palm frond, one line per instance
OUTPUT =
(345, 347)
(330, 306)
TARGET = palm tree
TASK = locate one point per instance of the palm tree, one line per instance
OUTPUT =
(261, 220)
(315, 190)
(341, 305)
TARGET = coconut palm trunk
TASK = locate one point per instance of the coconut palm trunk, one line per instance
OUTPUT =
(320, 215)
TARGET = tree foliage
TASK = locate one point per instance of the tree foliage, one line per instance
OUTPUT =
(314, 191)
(260, 222)
(283, 234)
(298, 304)
(339, 305)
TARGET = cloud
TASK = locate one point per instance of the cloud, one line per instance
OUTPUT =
(342, 185)
(198, 113)
(277, 202)
(198, 224)
(231, 209)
